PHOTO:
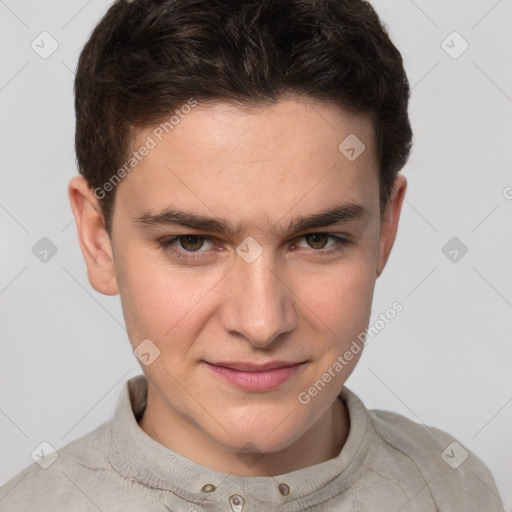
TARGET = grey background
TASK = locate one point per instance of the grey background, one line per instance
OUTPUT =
(443, 361)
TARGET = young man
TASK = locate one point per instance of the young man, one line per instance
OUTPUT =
(240, 191)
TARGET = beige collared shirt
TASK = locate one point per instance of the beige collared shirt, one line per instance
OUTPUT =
(388, 464)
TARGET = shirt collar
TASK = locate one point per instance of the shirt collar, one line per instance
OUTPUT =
(137, 456)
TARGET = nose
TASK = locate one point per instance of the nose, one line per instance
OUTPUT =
(259, 306)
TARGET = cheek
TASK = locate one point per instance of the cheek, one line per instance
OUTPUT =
(338, 312)
(160, 302)
(341, 298)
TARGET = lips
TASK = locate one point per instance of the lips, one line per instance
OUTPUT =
(253, 367)
(255, 377)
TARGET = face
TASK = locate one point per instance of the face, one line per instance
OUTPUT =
(245, 246)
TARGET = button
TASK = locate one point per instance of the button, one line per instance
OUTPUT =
(237, 503)
(284, 489)
(208, 488)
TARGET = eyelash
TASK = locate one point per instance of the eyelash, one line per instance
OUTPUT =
(168, 244)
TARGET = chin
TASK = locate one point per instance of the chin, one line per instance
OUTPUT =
(257, 443)
(264, 432)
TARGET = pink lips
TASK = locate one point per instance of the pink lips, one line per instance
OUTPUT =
(252, 377)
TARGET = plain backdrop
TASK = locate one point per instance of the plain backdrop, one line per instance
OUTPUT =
(443, 361)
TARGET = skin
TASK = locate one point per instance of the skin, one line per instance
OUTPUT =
(298, 301)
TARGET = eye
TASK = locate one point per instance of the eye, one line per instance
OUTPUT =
(185, 245)
(191, 243)
(319, 241)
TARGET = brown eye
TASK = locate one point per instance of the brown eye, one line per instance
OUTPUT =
(191, 242)
(317, 240)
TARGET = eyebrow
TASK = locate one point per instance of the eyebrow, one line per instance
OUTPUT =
(345, 212)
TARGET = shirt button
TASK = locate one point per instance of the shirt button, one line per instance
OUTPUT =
(237, 503)
(208, 488)
(284, 489)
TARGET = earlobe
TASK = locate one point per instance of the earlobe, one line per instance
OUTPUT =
(389, 222)
(93, 237)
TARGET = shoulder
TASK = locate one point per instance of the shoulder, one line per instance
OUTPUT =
(453, 474)
(54, 481)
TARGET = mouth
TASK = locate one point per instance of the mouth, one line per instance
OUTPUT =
(255, 377)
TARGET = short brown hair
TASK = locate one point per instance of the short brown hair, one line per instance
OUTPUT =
(145, 58)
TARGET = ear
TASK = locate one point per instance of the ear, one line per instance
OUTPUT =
(389, 221)
(93, 237)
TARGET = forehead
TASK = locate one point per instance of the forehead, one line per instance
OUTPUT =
(260, 162)
(257, 131)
